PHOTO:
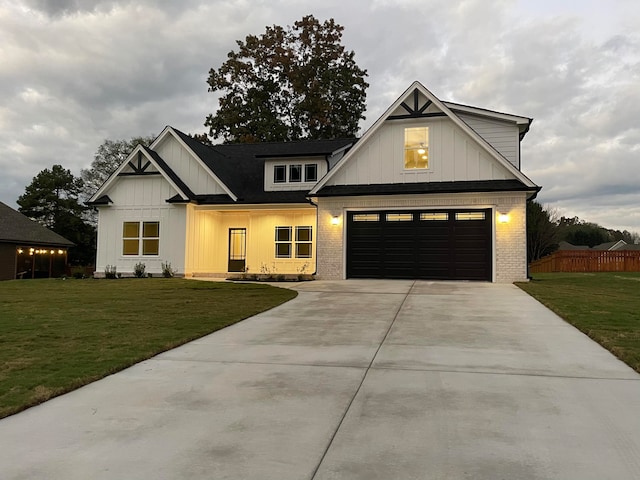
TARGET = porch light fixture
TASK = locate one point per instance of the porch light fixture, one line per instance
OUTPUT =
(335, 220)
(503, 218)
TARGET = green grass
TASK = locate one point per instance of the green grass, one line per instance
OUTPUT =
(58, 335)
(605, 306)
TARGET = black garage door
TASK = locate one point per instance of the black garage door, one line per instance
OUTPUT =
(430, 244)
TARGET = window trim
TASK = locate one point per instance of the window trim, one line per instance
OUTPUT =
(143, 241)
(293, 241)
(298, 167)
(308, 242)
(275, 175)
(426, 146)
(307, 178)
(288, 242)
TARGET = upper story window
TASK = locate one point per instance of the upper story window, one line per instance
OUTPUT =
(416, 148)
(280, 174)
(311, 172)
(295, 173)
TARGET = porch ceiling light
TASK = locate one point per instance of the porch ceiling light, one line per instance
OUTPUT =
(335, 220)
(503, 218)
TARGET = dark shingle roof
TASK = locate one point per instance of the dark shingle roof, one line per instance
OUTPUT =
(170, 173)
(424, 188)
(241, 167)
(17, 228)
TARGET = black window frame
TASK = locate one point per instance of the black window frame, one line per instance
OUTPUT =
(297, 177)
(307, 177)
(283, 170)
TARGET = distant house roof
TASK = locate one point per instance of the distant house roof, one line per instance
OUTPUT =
(17, 228)
(617, 245)
(569, 246)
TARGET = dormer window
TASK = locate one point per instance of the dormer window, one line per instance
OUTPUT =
(310, 172)
(416, 148)
(295, 173)
(280, 174)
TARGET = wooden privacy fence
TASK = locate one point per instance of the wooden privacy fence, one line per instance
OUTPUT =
(588, 261)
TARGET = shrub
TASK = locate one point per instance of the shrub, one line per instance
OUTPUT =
(140, 270)
(167, 271)
(110, 271)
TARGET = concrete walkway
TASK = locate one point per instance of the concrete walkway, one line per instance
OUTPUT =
(352, 380)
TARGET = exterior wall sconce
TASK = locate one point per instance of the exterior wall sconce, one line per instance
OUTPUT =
(335, 220)
(503, 218)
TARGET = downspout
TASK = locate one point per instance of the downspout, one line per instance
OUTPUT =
(315, 205)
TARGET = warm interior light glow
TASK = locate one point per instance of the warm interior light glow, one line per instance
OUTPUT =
(19, 250)
(335, 220)
(60, 252)
(421, 151)
(503, 218)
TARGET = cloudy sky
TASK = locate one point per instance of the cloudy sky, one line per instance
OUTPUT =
(76, 72)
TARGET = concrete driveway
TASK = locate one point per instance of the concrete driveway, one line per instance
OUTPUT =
(353, 380)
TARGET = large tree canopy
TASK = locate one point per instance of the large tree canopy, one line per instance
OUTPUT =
(52, 200)
(289, 84)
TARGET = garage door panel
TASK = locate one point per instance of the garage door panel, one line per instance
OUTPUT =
(435, 244)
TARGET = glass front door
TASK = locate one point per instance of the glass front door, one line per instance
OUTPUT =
(237, 249)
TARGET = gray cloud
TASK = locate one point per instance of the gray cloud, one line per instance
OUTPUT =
(77, 72)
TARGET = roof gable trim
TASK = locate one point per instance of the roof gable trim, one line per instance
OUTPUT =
(138, 151)
(171, 131)
(414, 89)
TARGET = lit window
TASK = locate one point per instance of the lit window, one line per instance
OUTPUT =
(310, 172)
(132, 238)
(399, 217)
(416, 148)
(366, 217)
(283, 242)
(470, 216)
(279, 174)
(295, 173)
(434, 216)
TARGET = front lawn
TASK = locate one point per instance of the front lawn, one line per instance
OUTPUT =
(605, 306)
(57, 335)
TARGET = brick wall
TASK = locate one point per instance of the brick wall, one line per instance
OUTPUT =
(510, 259)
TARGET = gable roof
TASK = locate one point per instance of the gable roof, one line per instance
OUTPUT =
(241, 167)
(99, 197)
(615, 245)
(523, 123)
(446, 111)
(18, 228)
(184, 192)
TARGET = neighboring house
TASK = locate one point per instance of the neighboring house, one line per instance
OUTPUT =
(603, 247)
(432, 190)
(610, 246)
(29, 250)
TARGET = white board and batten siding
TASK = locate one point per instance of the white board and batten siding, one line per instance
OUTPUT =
(140, 199)
(502, 136)
(453, 156)
(192, 173)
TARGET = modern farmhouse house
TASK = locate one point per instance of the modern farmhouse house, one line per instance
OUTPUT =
(432, 190)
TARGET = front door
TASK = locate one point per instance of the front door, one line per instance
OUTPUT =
(237, 249)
